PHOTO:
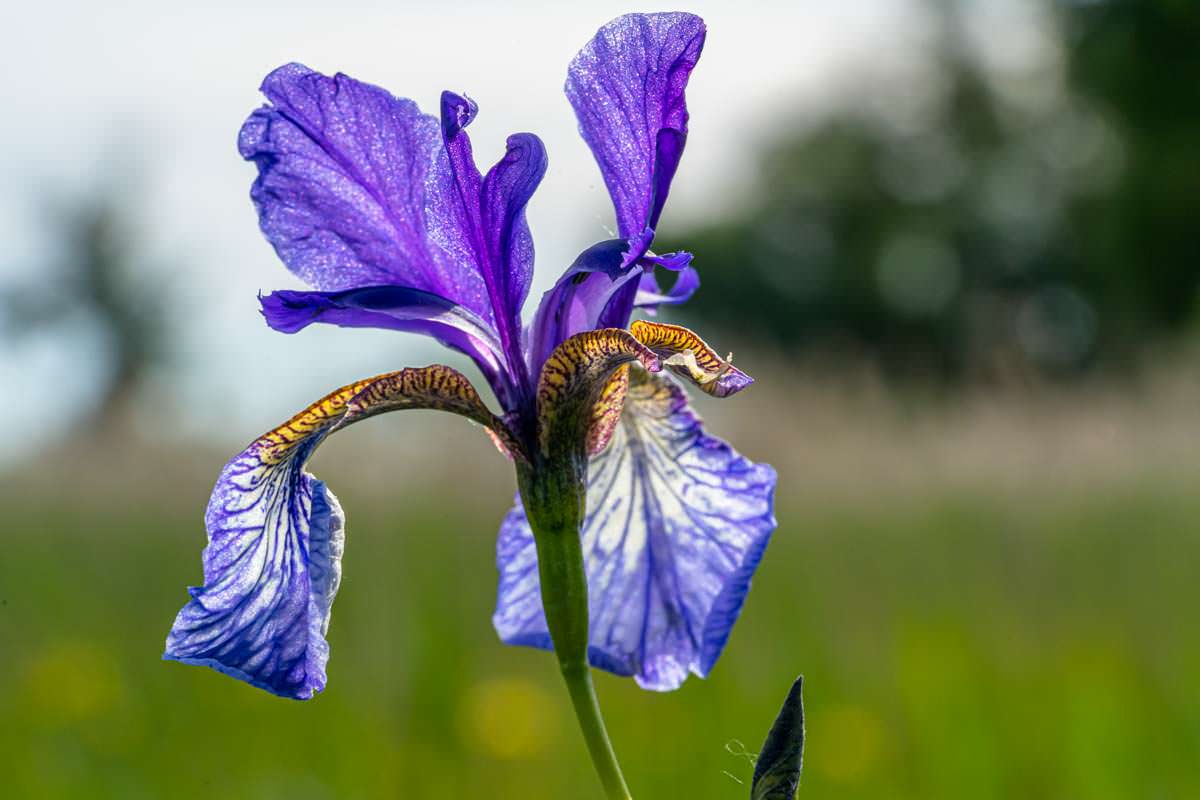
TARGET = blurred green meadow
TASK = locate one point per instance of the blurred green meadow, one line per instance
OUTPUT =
(957, 640)
(955, 245)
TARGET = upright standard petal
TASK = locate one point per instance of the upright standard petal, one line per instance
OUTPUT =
(490, 210)
(347, 175)
(493, 207)
(676, 524)
(273, 561)
(627, 87)
(506, 191)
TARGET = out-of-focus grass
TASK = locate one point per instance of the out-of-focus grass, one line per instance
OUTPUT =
(957, 645)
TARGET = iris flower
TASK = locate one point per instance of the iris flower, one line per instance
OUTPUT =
(635, 532)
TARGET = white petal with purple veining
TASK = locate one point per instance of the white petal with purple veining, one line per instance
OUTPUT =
(275, 534)
(676, 524)
(271, 570)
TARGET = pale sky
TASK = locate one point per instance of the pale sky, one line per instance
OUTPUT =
(164, 90)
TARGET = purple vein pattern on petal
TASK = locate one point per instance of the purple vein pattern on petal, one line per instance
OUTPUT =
(676, 524)
(347, 173)
(275, 533)
(627, 87)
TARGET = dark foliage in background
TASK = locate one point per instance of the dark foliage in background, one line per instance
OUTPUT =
(1004, 231)
(92, 281)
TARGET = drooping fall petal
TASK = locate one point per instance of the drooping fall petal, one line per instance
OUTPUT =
(273, 560)
(676, 524)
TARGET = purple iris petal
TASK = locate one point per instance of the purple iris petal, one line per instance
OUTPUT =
(627, 87)
(491, 212)
(346, 174)
(650, 296)
(677, 522)
(577, 301)
(358, 189)
(506, 191)
(271, 570)
(672, 261)
(397, 308)
(732, 382)
(600, 291)
(639, 246)
(622, 299)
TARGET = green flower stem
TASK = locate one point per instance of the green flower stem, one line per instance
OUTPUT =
(553, 495)
(587, 711)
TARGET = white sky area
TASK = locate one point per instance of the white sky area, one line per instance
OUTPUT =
(95, 88)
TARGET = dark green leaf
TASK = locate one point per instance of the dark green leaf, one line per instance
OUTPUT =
(777, 771)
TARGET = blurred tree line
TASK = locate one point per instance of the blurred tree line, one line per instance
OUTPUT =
(1035, 218)
(91, 281)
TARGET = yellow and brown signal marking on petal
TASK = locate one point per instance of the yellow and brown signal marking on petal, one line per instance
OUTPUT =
(574, 378)
(688, 356)
(435, 387)
(606, 413)
(276, 445)
(660, 337)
